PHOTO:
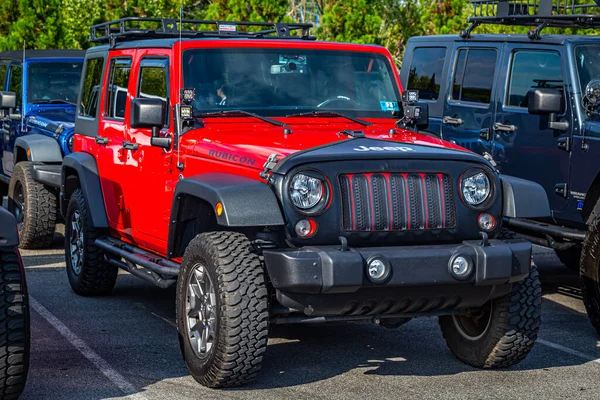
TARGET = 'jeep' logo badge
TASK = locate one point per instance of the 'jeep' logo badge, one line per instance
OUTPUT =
(387, 148)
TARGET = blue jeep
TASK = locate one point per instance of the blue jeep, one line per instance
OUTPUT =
(37, 110)
(530, 104)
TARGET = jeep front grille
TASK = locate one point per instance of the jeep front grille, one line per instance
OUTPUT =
(396, 201)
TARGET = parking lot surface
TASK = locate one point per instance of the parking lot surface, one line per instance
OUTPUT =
(126, 346)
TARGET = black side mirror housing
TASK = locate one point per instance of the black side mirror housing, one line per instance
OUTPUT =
(150, 113)
(422, 120)
(546, 101)
(8, 100)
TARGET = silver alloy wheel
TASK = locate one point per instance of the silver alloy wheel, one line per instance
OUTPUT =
(76, 243)
(474, 326)
(201, 312)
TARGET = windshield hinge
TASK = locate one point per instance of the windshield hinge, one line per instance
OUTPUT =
(354, 134)
(269, 165)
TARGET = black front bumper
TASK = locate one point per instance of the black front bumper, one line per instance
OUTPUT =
(327, 281)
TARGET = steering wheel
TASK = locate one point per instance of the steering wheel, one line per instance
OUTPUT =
(338, 98)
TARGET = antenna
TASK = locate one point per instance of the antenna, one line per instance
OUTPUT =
(179, 87)
(23, 127)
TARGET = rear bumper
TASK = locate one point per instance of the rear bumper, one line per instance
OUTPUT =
(327, 281)
(47, 174)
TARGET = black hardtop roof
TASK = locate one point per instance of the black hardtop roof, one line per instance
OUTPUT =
(17, 55)
(508, 38)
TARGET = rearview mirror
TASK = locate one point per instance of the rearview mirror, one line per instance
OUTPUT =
(544, 101)
(8, 100)
(150, 113)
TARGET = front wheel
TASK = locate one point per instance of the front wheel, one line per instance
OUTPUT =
(590, 273)
(502, 332)
(222, 309)
(34, 207)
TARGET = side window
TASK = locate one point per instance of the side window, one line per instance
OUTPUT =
(425, 73)
(3, 71)
(14, 84)
(90, 90)
(120, 69)
(531, 70)
(474, 75)
(154, 78)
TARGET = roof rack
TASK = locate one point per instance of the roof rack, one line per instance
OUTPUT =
(539, 13)
(136, 28)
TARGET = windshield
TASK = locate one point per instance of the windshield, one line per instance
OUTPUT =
(54, 82)
(588, 64)
(281, 82)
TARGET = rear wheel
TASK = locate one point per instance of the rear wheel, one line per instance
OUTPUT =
(34, 207)
(89, 273)
(14, 326)
(502, 332)
(222, 309)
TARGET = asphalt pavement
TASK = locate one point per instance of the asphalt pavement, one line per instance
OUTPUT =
(125, 346)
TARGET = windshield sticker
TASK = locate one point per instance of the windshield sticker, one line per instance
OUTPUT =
(389, 106)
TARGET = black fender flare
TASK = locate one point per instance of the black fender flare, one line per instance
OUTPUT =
(246, 202)
(523, 198)
(9, 235)
(85, 167)
(40, 148)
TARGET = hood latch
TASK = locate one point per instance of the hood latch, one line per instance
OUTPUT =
(269, 165)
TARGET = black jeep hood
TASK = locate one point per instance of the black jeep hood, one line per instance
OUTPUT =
(373, 149)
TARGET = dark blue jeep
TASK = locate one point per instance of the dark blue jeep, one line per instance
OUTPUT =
(37, 113)
(530, 104)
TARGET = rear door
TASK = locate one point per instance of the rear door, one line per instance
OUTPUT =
(524, 146)
(468, 112)
(424, 70)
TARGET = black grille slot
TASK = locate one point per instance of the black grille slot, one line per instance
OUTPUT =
(393, 202)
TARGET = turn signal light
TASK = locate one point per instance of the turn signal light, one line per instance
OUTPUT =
(219, 209)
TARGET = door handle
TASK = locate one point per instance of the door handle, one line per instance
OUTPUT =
(129, 146)
(101, 140)
(498, 127)
(454, 121)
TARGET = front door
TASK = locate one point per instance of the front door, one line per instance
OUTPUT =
(524, 146)
(468, 113)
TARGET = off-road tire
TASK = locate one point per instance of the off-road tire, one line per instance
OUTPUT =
(570, 258)
(39, 222)
(511, 332)
(14, 326)
(590, 275)
(97, 277)
(242, 320)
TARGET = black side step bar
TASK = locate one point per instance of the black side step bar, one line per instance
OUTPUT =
(140, 263)
(545, 229)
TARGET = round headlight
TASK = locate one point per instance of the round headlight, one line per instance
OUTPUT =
(476, 188)
(306, 191)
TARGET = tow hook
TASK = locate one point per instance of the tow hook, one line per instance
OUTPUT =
(484, 239)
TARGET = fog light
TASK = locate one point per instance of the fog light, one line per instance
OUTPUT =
(486, 222)
(305, 228)
(377, 270)
(461, 267)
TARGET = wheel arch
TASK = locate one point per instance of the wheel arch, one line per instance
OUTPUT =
(9, 236)
(80, 171)
(246, 204)
(38, 148)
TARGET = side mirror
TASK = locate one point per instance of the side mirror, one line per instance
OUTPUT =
(544, 101)
(150, 113)
(422, 119)
(8, 100)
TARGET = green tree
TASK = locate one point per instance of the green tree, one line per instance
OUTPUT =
(358, 21)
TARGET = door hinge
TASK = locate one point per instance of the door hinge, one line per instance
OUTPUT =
(561, 189)
(564, 143)
(485, 134)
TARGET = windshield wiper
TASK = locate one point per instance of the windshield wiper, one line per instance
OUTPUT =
(232, 113)
(53, 101)
(318, 114)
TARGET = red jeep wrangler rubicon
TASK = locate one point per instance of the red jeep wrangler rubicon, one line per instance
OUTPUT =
(276, 179)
